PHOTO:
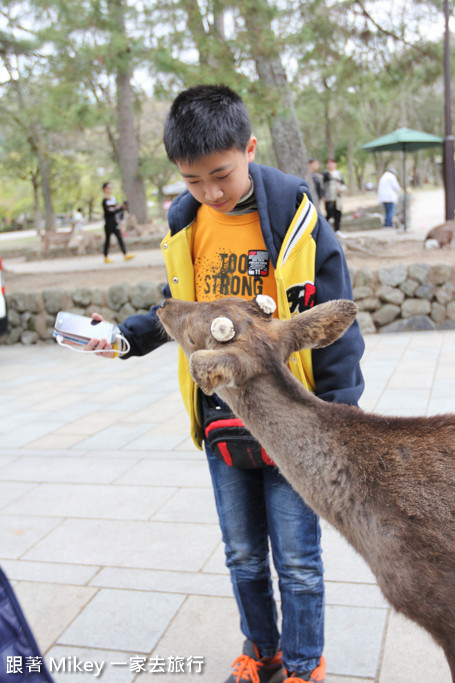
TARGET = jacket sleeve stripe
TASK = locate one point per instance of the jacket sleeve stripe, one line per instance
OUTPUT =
(306, 217)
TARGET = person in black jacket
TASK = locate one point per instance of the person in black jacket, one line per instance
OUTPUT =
(333, 189)
(113, 216)
(317, 178)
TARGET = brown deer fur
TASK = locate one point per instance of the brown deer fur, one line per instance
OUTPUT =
(52, 238)
(443, 234)
(386, 483)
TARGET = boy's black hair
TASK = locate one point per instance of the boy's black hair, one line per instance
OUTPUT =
(108, 182)
(205, 119)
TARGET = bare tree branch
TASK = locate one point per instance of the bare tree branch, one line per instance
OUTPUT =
(386, 32)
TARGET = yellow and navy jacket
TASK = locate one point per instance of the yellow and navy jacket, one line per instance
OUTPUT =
(310, 268)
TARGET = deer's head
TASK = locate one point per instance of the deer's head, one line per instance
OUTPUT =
(231, 340)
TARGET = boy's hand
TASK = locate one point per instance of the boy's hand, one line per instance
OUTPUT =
(101, 346)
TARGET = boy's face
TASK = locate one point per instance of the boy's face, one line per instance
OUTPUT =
(219, 179)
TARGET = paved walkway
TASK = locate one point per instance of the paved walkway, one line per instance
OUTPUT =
(109, 531)
(426, 210)
(80, 263)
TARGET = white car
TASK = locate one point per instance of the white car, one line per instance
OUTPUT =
(3, 308)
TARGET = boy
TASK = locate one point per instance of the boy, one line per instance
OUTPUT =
(240, 230)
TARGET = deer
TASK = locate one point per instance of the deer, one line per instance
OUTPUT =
(442, 235)
(84, 242)
(133, 227)
(386, 483)
(53, 238)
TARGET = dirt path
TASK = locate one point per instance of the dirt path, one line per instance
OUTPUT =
(377, 253)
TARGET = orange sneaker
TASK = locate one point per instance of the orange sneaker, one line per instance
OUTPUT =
(128, 257)
(251, 667)
(315, 676)
(108, 260)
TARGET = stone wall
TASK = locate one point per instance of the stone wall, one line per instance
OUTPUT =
(405, 297)
(395, 299)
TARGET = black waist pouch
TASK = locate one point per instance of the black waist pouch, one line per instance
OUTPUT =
(228, 438)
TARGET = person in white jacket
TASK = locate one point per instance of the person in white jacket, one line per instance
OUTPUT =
(388, 191)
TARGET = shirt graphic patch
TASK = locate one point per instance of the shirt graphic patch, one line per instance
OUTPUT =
(258, 263)
(301, 297)
(231, 274)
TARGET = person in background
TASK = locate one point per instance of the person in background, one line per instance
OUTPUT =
(317, 179)
(78, 222)
(388, 190)
(113, 215)
(333, 187)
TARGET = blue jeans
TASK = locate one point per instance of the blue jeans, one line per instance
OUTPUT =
(253, 507)
(389, 208)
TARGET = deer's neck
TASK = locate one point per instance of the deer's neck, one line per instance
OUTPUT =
(301, 435)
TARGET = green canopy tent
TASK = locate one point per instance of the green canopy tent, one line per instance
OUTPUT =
(403, 140)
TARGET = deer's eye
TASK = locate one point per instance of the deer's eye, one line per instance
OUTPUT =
(188, 333)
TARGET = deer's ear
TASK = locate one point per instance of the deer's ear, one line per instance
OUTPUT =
(319, 326)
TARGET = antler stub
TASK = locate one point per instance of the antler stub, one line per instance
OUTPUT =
(266, 304)
(222, 329)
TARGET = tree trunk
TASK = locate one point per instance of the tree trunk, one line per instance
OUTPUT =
(37, 143)
(36, 207)
(45, 172)
(218, 20)
(287, 139)
(128, 148)
(350, 164)
(328, 132)
(162, 213)
(90, 210)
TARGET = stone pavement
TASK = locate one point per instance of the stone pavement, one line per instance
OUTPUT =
(80, 263)
(426, 210)
(109, 531)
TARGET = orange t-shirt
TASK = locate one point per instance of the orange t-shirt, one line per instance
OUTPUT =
(230, 257)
